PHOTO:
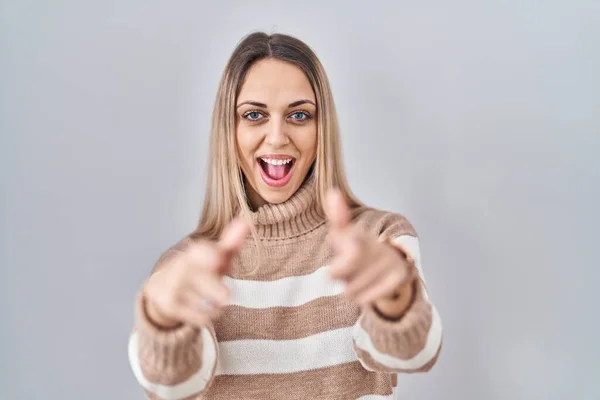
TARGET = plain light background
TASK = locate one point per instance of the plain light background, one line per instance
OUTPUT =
(478, 120)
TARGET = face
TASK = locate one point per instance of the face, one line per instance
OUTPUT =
(276, 130)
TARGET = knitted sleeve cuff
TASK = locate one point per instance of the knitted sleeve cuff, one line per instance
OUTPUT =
(404, 345)
(166, 356)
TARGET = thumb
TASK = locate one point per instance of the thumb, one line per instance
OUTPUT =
(233, 236)
(232, 239)
(337, 210)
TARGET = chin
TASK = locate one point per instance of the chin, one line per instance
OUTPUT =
(276, 196)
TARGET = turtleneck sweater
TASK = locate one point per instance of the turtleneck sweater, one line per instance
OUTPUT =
(289, 331)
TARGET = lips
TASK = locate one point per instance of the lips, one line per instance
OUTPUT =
(276, 169)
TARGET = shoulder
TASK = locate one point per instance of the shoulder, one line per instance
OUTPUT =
(382, 223)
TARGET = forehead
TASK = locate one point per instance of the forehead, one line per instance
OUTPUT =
(275, 82)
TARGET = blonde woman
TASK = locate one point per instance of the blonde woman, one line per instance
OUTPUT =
(290, 288)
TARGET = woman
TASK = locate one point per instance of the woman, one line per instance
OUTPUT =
(324, 300)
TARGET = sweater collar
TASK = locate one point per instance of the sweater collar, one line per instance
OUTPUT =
(296, 216)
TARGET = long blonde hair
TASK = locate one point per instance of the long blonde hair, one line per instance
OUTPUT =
(225, 195)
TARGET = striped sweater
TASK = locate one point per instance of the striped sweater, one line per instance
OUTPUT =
(289, 332)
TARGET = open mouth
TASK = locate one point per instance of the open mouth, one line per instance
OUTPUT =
(276, 171)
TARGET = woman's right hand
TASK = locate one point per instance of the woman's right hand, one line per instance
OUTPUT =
(190, 288)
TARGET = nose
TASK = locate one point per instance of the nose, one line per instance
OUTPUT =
(276, 135)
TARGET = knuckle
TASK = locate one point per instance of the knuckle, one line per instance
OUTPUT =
(167, 302)
(178, 283)
(396, 276)
(176, 270)
(406, 274)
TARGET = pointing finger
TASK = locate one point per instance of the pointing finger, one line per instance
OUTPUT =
(232, 240)
(337, 210)
(234, 235)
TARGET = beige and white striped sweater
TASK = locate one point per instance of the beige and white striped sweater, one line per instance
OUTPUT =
(289, 332)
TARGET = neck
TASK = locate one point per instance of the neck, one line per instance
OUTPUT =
(294, 217)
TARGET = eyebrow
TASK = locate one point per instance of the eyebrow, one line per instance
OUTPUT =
(263, 105)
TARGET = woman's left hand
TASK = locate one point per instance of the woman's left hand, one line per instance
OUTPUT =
(373, 270)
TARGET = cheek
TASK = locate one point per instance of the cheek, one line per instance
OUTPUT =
(306, 141)
(246, 144)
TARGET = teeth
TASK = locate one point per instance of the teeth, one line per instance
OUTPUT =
(276, 161)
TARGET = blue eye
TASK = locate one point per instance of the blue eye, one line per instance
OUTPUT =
(253, 115)
(300, 116)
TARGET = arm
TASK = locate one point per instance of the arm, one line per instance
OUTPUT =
(407, 337)
(173, 363)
